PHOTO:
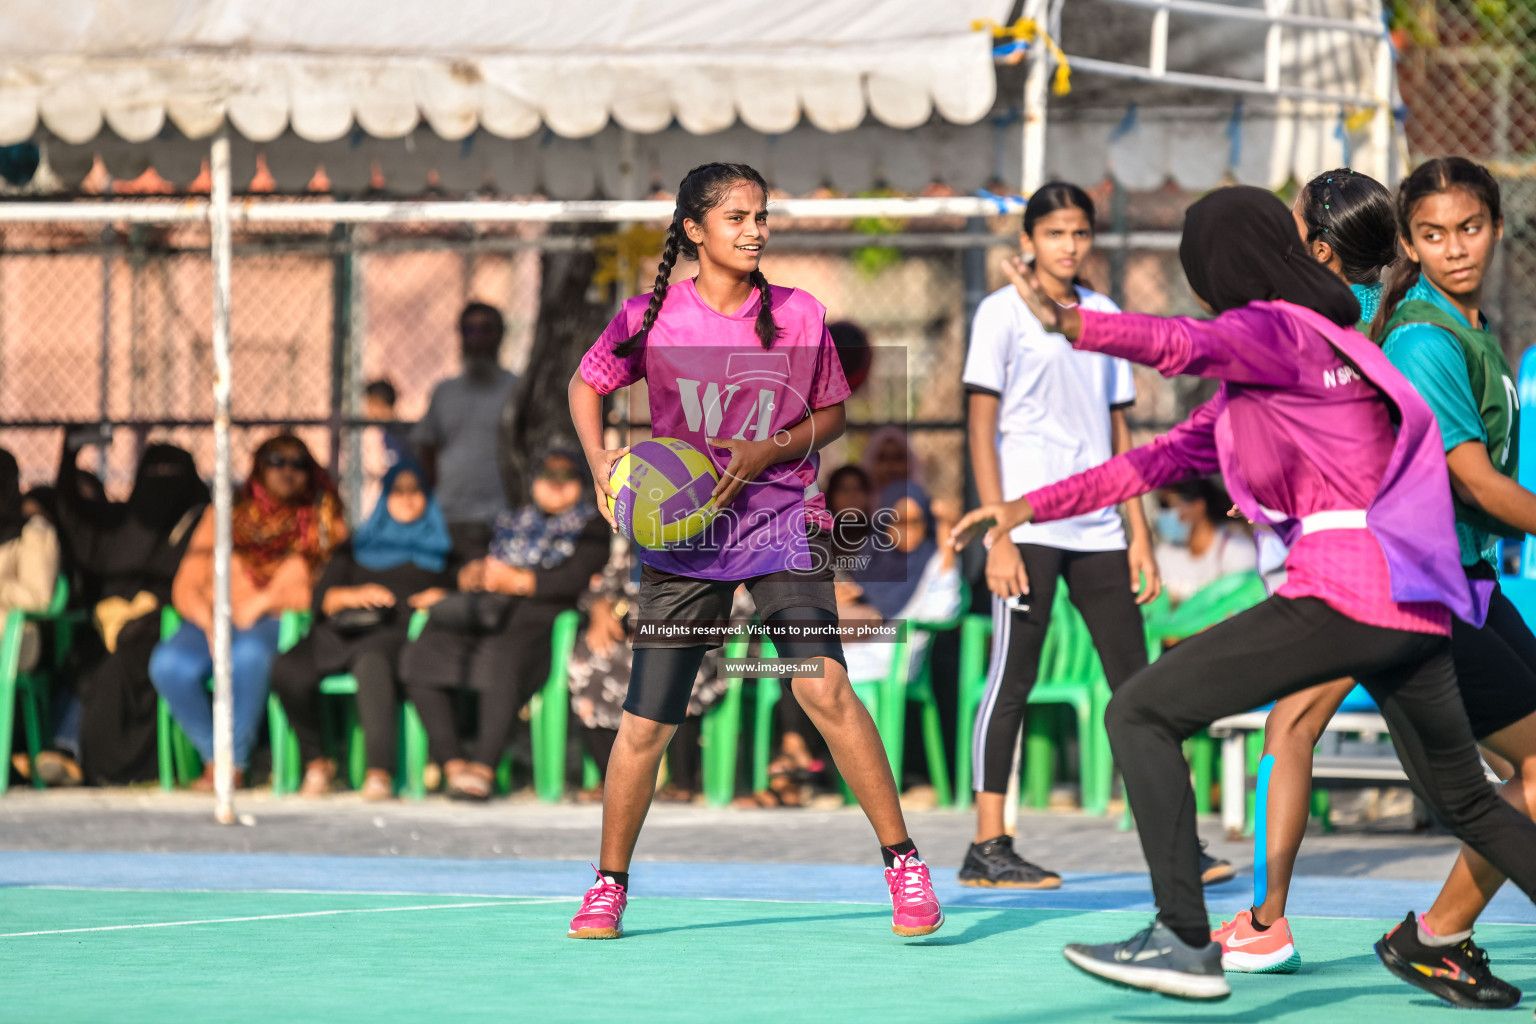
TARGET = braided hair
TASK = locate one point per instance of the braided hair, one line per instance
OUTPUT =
(1353, 214)
(701, 190)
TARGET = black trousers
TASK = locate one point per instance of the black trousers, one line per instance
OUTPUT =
(1267, 652)
(505, 669)
(1099, 584)
(296, 677)
(1495, 665)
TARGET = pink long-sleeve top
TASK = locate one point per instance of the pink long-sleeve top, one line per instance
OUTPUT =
(1306, 431)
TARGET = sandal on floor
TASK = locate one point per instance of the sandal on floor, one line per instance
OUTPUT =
(471, 782)
(590, 796)
(319, 776)
(670, 794)
(57, 770)
(377, 785)
(770, 799)
(204, 782)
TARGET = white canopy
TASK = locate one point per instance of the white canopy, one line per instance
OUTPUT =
(845, 93)
(318, 67)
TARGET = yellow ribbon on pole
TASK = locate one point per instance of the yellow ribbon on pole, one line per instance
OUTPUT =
(1027, 31)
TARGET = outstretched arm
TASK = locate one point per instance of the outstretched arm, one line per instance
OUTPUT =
(1185, 452)
(1244, 346)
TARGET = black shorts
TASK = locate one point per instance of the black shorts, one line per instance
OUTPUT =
(669, 598)
(662, 675)
(1495, 665)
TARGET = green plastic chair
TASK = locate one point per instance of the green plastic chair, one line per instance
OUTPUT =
(286, 769)
(180, 762)
(1070, 674)
(720, 736)
(886, 700)
(770, 691)
(1214, 603)
(920, 691)
(548, 731)
(31, 685)
(549, 712)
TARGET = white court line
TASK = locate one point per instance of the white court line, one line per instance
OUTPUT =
(273, 917)
(289, 892)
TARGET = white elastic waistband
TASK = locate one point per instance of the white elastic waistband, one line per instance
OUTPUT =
(1333, 519)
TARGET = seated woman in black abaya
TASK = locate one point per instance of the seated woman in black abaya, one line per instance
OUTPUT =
(125, 555)
(396, 563)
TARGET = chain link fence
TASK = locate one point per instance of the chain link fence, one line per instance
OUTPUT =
(113, 327)
(1467, 73)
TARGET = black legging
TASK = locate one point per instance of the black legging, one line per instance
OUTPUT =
(505, 669)
(1495, 665)
(1099, 584)
(1261, 655)
(661, 678)
(296, 681)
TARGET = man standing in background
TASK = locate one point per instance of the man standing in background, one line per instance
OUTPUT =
(456, 439)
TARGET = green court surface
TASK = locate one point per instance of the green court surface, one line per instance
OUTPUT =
(157, 956)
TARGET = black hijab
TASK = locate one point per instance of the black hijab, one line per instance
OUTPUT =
(11, 516)
(165, 488)
(1240, 245)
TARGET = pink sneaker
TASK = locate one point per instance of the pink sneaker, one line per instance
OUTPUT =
(1246, 950)
(602, 911)
(915, 909)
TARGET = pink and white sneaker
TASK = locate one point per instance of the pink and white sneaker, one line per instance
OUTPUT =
(915, 909)
(1247, 950)
(602, 911)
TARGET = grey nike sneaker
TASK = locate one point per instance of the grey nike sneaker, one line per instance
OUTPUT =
(1157, 960)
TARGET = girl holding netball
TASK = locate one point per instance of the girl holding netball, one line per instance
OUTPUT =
(1039, 412)
(1317, 434)
(1448, 218)
(747, 373)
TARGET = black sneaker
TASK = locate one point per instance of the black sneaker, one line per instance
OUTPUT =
(994, 865)
(1458, 974)
(1214, 869)
(1157, 960)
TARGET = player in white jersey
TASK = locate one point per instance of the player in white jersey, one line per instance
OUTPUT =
(1039, 412)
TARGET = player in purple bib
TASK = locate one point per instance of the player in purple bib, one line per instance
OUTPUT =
(746, 373)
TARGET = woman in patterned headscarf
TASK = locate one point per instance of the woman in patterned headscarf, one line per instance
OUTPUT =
(284, 526)
(493, 637)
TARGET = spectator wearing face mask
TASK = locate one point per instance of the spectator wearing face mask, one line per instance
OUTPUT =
(456, 439)
(1199, 544)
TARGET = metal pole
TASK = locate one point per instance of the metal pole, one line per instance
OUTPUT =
(1382, 142)
(223, 688)
(104, 382)
(973, 274)
(341, 323)
(1034, 104)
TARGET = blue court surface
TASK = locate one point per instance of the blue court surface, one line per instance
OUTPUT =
(236, 937)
